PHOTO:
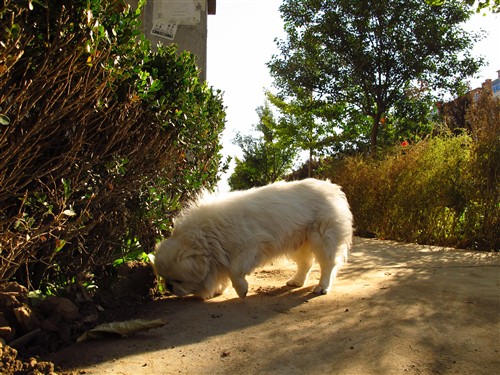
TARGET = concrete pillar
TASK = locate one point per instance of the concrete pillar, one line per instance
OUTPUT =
(183, 22)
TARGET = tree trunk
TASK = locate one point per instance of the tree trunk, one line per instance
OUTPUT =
(309, 167)
(374, 135)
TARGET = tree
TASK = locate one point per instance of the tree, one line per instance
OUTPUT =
(370, 54)
(493, 5)
(311, 124)
(266, 159)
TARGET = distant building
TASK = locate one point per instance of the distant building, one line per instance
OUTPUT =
(495, 85)
(183, 22)
(454, 111)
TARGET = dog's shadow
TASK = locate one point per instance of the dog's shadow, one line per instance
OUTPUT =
(188, 320)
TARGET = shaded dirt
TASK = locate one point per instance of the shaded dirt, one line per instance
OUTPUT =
(395, 309)
(34, 325)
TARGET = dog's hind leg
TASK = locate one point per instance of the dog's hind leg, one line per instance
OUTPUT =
(329, 269)
(328, 274)
(304, 259)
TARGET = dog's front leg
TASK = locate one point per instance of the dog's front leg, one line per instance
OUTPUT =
(239, 284)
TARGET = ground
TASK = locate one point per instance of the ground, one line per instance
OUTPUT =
(395, 309)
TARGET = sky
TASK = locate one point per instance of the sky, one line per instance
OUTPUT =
(241, 40)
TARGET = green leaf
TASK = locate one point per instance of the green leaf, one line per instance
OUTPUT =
(4, 120)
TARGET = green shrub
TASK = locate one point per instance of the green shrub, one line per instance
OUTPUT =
(100, 138)
(424, 193)
(483, 211)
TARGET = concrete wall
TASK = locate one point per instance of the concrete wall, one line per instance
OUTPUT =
(183, 22)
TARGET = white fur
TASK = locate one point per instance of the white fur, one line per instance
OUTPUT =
(222, 238)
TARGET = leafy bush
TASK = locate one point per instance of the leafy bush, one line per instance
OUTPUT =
(429, 193)
(100, 138)
(484, 194)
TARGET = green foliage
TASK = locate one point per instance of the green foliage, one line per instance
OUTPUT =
(372, 54)
(493, 5)
(425, 193)
(310, 125)
(484, 117)
(265, 159)
(101, 139)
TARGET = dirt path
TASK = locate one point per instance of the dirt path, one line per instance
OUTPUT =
(395, 309)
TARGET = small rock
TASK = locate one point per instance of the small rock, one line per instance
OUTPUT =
(6, 331)
(52, 324)
(64, 307)
(26, 318)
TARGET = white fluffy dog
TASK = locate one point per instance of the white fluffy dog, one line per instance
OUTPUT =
(223, 238)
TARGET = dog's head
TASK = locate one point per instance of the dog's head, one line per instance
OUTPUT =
(183, 264)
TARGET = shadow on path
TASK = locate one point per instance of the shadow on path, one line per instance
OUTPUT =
(395, 308)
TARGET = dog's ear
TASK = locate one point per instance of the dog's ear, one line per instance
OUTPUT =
(217, 253)
(194, 266)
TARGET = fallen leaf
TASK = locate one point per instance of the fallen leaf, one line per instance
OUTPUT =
(122, 329)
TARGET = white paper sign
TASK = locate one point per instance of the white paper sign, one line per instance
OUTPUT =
(164, 29)
(168, 14)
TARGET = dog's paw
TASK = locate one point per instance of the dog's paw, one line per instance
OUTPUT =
(318, 289)
(241, 287)
(242, 293)
(294, 282)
